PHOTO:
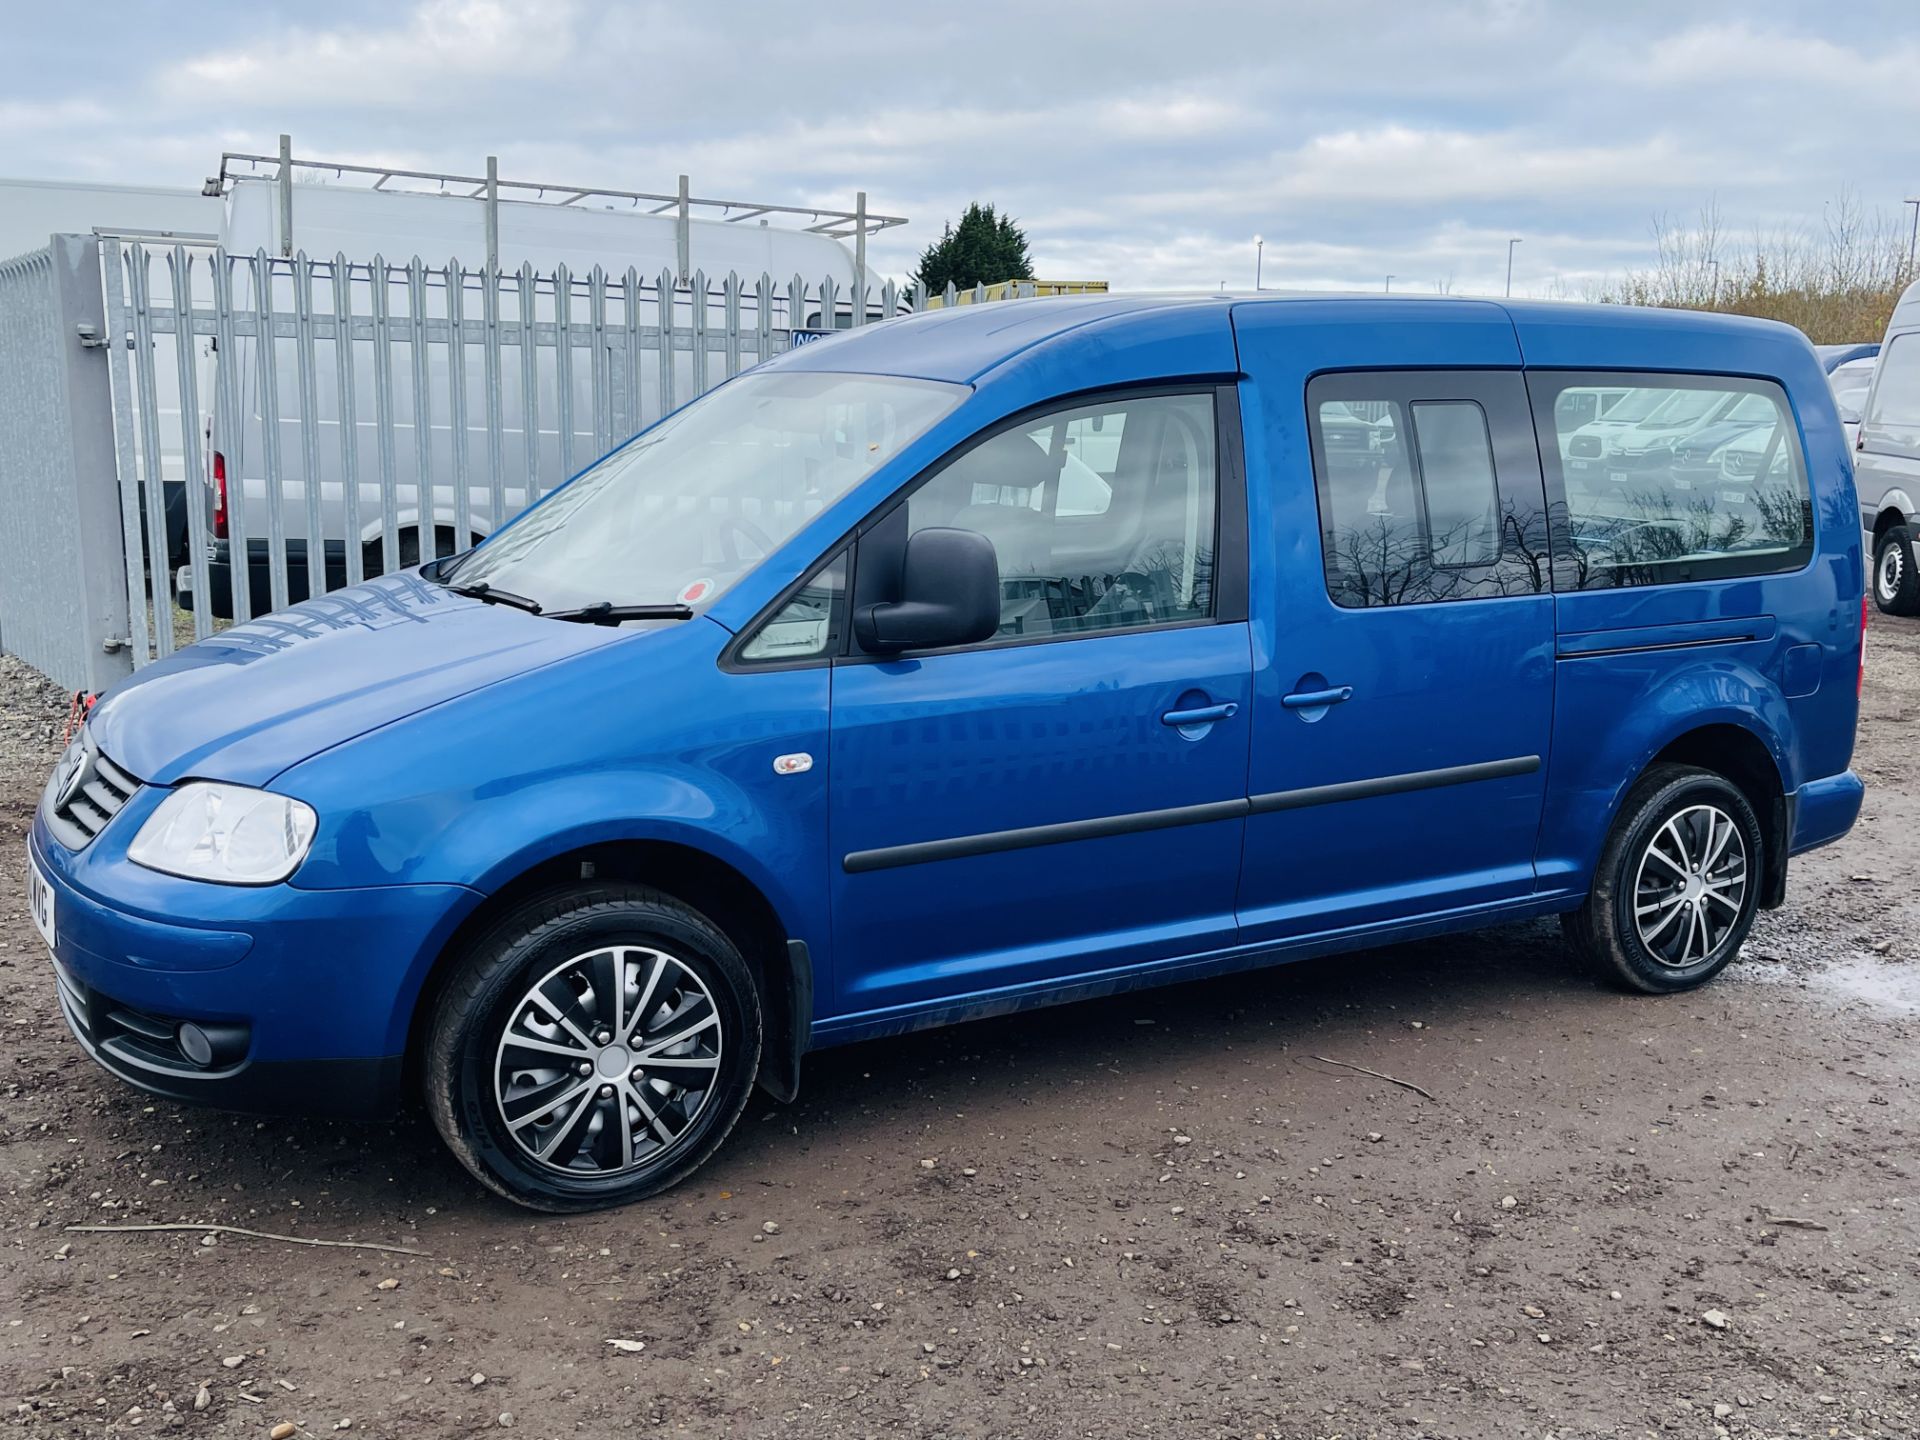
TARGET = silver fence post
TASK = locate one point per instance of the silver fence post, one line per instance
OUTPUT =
(120, 377)
(286, 195)
(683, 236)
(860, 258)
(493, 214)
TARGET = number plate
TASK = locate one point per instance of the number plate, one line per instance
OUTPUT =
(40, 901)
(1619, 477)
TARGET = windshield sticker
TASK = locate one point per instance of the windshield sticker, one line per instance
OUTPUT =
(696, 592)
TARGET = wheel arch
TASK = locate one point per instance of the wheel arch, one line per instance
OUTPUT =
(781, 964)
(1894, 508)
(1739, 755)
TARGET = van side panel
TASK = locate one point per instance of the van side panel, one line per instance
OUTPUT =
(1775, 655)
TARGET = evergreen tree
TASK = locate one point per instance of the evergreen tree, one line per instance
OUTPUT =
(983, 249)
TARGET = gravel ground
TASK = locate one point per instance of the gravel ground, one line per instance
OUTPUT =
(1161, 1214)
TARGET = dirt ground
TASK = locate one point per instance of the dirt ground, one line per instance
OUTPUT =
(1161, 1215)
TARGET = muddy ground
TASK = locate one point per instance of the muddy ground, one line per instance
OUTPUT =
(1157, 1215)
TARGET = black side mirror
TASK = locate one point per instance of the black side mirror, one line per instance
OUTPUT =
(949, 595)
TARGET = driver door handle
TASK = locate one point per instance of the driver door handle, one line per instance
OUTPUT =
(1201, 715)
(1314, 699)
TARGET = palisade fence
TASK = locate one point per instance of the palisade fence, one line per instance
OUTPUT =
(396, 410)
(426, 401)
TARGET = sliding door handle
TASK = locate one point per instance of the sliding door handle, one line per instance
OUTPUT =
(1200, 715)
(1317, 699)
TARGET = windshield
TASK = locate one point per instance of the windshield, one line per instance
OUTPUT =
(696, 502)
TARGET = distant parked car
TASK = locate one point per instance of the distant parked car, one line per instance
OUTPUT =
(1886, 461)
(1698, 460)
(1834, 356)
(1851, 380)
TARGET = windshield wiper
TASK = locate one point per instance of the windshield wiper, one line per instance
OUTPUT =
(605, 612)
(480, 590)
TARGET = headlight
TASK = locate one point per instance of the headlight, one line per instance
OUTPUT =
(228, 834)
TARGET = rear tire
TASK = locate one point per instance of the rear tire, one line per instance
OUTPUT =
(594, 1047)
(1896, 586)
(1677, 884)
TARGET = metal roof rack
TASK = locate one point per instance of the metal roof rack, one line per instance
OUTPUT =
(855, 224)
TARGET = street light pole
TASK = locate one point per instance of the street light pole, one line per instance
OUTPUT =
(1389, 289)
(1510, 244)
(1259, 249)
(1913, 234)
(1714, 265)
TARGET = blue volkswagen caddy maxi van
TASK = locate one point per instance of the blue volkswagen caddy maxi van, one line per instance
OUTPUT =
(982, 659)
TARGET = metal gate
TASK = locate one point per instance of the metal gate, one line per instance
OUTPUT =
(63, 578)
(299, 423)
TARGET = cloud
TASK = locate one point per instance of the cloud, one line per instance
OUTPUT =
(443, 43)
(1147, 148)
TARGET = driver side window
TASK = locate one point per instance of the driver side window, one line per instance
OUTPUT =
(1101, 515)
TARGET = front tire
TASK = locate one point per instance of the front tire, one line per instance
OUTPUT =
(1677, 885)
(594, 1047)
(1896, 586)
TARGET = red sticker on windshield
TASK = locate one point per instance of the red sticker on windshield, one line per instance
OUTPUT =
(696, 592)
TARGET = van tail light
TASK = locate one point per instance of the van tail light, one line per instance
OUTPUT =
(1860, 685)
(219, 496)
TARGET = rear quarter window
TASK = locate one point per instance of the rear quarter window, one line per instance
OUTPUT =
(1686, 477)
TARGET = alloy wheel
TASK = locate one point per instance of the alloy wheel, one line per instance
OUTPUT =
(608, 1060)
(1887, 574)
(1691, 886)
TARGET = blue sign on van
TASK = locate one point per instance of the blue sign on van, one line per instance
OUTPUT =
(806, 337)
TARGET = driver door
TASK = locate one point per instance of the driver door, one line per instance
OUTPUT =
(1065, 800)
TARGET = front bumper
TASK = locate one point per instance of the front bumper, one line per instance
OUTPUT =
(319, 985)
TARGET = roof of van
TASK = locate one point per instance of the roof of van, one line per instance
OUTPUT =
(965, 343)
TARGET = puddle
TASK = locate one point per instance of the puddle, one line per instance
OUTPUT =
(1886, 985)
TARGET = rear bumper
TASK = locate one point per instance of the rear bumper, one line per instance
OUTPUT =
(259, 576)
(1824, 810)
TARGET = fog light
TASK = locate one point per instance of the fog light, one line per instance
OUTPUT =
(194, 1044)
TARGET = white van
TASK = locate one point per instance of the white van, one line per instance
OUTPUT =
(1886, 462)
(430, 516)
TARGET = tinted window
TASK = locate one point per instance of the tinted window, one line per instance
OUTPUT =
(1456, 471)
(1896, 399)
(1412, 502)
(1709, 483)
(1101, 515)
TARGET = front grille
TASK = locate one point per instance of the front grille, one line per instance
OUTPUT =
(1586, 446)
(1739, 462)
(87, 790)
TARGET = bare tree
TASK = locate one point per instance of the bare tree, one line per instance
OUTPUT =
(1838, 281)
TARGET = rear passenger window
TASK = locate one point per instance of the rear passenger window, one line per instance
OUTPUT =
(1456, 467)
(1684, 478)
(1414, 507)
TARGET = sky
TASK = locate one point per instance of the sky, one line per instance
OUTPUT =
(1143, 144)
